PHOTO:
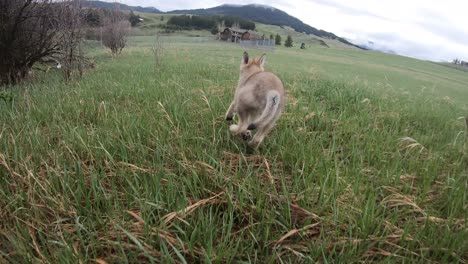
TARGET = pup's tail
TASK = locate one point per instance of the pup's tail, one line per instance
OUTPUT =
(270, 112)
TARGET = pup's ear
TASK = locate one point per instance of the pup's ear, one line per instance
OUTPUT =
(245, 58)
(262, 59)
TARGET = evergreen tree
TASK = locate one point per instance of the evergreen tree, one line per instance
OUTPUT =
(289, 42)
(93, 18)
(278, 39)
(134, 19)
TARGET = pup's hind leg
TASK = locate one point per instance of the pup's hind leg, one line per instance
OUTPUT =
(260, 135)
(257, 138)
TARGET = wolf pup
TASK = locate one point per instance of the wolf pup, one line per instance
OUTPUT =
(258, 101)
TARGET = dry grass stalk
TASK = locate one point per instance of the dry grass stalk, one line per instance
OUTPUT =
(408, 177)
(166, 114)
(205, 165)
(134, 167)
(409, 144)
(189, 209)
(307, 229)
(272, 180)
(297, 212)
(102, 108)
(397, 199)
(379, 246)
(235, 162)
(32, 234)
(137, 217)
(132, 238)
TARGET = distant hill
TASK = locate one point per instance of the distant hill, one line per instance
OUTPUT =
(266, 15)
(107, 5)
(258, 13)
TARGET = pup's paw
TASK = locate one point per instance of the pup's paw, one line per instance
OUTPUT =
(246, 135)
(233, 128)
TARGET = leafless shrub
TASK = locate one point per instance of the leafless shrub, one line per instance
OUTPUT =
(158, 51)
(25, 37)
(115, 32)
(71, 53)
(220, 26)
(32, 31)
(236, 25)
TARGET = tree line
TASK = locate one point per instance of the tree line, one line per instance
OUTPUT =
(189, 22)
(460, 62)
(288, 43)
(96, 17)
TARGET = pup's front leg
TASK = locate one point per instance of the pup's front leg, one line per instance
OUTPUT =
(230, 112)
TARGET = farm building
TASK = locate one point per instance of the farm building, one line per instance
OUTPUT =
(234, 35)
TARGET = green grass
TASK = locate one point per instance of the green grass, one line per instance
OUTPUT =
(134, 164)
(451, 65)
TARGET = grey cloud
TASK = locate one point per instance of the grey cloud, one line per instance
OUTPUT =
(441, 26)
(349, 10)
(448, 32)
(414, 47)
(164, 5)
(183, 4)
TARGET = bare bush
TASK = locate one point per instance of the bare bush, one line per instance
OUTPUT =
(71, 53)
(158, 51)
(115, 32)
(25, 37)
(221, 26)
(33, 31)
(236, 25)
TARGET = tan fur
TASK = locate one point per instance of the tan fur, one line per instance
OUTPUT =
(258, 101)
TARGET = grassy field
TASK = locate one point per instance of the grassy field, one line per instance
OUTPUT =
(134, 163)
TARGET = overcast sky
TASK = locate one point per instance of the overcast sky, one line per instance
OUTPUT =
(425, 29)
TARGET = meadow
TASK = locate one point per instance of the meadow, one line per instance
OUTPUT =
(135, 164)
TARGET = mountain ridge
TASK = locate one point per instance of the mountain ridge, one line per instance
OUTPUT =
(109, 5)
